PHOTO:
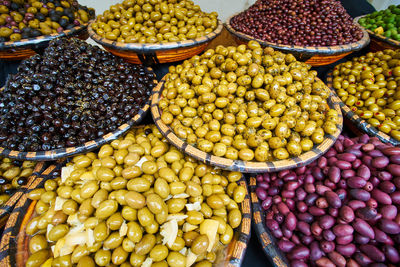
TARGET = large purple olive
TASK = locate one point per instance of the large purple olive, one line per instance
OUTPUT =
(394, 169)
(346, 214)
(299, 253)
(373, 252)
(388, 212)
(285, 245)
(363, 228)
(356, 182)
(343, 230)
(389, 226)
(364, 172)
(391, 254)
(315, 251)
(346, 250)
(333, 199)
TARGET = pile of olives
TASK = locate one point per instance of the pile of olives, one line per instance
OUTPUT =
(137, 202)
(153, 21)
(247, 103)
(385, 22)
(21, 19)
(73, 93)
(368, 85)
(13, 175)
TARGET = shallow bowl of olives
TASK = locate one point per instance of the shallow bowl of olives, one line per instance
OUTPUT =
(378, 40)
(15, 178)
(153, 32)
(28, 30)
(237, 164)
(313, 55)
(132, 244)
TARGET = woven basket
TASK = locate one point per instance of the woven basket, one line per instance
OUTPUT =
(152, 54)
(315, 56)
(359, 122)
(239, 165)
(7, 208)
(27, 47)
(267, 240)
(14, 243)
(80, 149)
(378, 41)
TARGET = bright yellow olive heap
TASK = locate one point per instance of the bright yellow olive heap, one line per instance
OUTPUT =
(369, 86)
(153, 21)
(247, 103)
(137, 202)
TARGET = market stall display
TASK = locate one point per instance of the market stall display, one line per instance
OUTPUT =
(317, 32)
(248, 109)
(155, 31)
(73, 98)
(341, 210)
(137, 200)
(367, 86)
(27, 26)
(15, 178)
(383, 27)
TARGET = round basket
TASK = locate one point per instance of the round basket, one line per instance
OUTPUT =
(267, 240)
(7, 208)
(359, 122)
(378, 41)
(14, 242)
(239, 165)
(152, 54)
(27, 47)
(83, 148)
(315, 56)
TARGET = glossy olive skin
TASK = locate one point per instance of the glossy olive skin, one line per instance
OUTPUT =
(128, 226)
(367, 85)
(246, 103)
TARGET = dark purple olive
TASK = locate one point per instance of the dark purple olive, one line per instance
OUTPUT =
(283, 208)
(375, 154)
(394, 169)
(346, 250)
(348, 173)
(314, 211)
(315, 251)
(310, 199)
(391, 151)
(343, 165)
(366, 213)
(388, 212)
(333, 212)
(285, 245)
(360, 194)
(299, 253)
(381, 197)
(356, 182)
(391, 254)
(346, 157)
(304, 228)
(382, 237)
(357, 163)
(305, 216)
(355, 152)
(263, 185)
(290, 221)
(300, 194)
(327, 246)
(334, 174)
(301, 206)
(286, 232)
(395, 196)
(272, 225)
(328, 235)
(343, 230)
(261, 193)
(362, 259)
(337, 259)
(326, 222)
(384, 175)
(395, 159)
(364, 172)
(346, 214)
(266, 204)
(356, 204)
(389, 226)
(322, 162)
(387, 187)
(344, 240)
(333, 199)
(363, 228)
(360, 239)
(373, 252)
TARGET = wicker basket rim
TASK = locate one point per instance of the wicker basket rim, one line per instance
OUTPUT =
(239, 165)
(149, 48)
(355, 118)
(328, 50)
(378, 36)
(82, 148)
(43, 38)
